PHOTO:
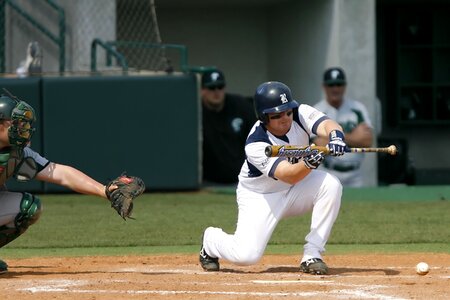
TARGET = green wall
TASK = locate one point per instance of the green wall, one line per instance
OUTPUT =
(145, 125)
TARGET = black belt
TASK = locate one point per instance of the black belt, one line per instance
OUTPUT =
(341, 168)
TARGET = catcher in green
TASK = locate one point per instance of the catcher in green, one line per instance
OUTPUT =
(20, 210)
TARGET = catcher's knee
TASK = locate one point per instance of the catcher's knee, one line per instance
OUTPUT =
(29, 213)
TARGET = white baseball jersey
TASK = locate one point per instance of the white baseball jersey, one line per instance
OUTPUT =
(264, 200)
(257, 171)
(349, 115)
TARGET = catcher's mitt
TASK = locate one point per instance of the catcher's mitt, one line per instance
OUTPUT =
(122, 191)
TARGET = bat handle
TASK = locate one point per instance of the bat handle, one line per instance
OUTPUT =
(268, 151)
(323, 149)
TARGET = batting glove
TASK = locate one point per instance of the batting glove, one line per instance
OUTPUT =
(313, 161)
(337, 144)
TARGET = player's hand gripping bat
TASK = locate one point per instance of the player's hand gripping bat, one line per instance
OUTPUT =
(302, 151)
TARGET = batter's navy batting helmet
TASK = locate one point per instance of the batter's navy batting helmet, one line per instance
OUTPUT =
(272, 97)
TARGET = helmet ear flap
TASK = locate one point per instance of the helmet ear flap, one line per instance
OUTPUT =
(264, 118)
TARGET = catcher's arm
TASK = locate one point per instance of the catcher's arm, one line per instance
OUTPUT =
(120, 191)
(71, 178)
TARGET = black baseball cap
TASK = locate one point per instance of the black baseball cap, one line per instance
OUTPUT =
(213, 78)
(334, 75)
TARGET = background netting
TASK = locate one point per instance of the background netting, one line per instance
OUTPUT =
(65, 31)
(137, 34)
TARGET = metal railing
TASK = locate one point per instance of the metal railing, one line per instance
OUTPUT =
(109, 51)
(59, 39)
(182, 50)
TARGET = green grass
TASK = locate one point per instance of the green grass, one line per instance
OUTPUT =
(288, 249)
(174, 222)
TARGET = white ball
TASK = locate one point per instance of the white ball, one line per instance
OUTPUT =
(422, 268)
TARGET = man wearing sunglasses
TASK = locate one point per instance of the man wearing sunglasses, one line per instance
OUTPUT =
(353, 117)
(273, 188)
(227, 119)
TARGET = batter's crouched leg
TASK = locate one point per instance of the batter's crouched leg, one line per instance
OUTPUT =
(324, 214)
(217, 243)
(30, 211)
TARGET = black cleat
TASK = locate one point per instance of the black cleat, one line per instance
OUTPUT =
(3, 267)
(207, 262)
(314, 266)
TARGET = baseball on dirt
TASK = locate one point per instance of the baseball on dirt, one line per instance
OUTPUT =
(422, 268)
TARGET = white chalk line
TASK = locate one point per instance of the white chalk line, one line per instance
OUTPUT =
(67, 286)
(151, 271)
(348, 294)
(350, 291)
(325, 282)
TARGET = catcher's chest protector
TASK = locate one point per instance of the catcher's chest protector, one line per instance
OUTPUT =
(8, 163)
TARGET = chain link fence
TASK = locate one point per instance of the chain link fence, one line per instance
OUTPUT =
(82, 36)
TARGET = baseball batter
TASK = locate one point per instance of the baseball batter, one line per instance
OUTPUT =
(354, 120)
(271, 189)
(20, 210)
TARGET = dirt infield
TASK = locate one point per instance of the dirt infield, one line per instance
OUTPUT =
(180, 277)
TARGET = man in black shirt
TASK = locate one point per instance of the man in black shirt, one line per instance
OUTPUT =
(227, 119)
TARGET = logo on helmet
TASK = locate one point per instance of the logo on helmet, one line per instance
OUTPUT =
(215, 76)
(335, 74)
(283, 98)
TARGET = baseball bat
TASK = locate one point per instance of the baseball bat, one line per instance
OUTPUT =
(302, 151)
